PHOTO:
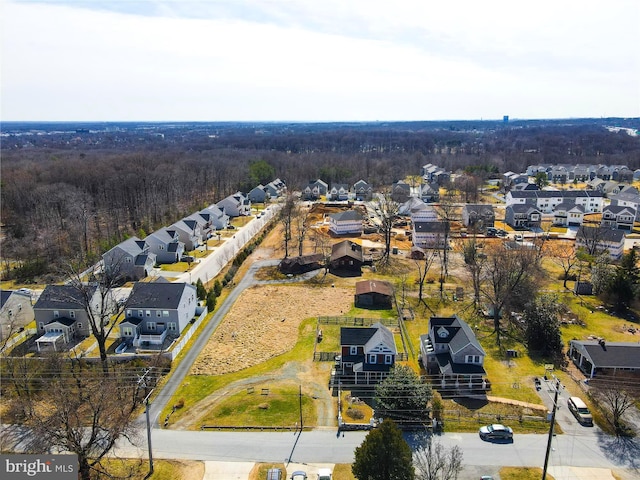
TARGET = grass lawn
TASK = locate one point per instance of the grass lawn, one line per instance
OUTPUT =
(197, 387)
(354, 410)
(162, 469)
(280, 407)
(522, 473)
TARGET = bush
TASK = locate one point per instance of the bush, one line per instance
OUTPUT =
(355, 414)
(180, 403)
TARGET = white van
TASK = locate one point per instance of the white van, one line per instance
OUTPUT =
(324, 474)
(580, 410)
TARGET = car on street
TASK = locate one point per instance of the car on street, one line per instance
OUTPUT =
(496, 431)
(298, 475)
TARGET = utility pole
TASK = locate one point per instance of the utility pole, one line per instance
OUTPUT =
(553, 419)
(300, 408)
(146, 411)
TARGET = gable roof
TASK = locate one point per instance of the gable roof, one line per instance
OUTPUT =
(610, 355)
(458, 333)
(367, 336)
(374, 286)
(63, 297)
(346, 248)
(157, 295)
(480, 209)
(348, 215)
(601, 234)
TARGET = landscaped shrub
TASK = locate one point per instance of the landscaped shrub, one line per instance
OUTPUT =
(355, 414)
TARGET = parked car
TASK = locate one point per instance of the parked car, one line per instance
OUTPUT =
(299, 475)
(580, 411)
(324, 474)
(496, 431)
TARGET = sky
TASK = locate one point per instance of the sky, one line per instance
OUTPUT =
(318, 60)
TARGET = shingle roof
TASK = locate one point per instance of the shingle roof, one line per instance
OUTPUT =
(156, 295)
(374, 286)
(611, 355)
(367, 336)
(63, 297)
(346, 248)
(347, 215)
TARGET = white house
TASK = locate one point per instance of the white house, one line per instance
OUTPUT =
(348, 222)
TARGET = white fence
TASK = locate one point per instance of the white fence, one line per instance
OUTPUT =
(175, 351)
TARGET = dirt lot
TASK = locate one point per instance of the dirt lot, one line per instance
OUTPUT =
(264, 323)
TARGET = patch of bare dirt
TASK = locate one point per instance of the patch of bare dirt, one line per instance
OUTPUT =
(264, 322)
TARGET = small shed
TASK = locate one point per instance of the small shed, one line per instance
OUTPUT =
(374, 294)
(583, 288)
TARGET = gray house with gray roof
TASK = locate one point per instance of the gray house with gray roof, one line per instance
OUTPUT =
(599, 358)
(452, 352)
(129, 260)
(157, 310)
(165, 244)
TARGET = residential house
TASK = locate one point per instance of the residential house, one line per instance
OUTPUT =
(613, 188)
(367, 354)
(219, 220)
(429, 193)
(275, 188)
(428, 234)
(418, 210)
(157, 310)
(616, 216)
(568, 214)
(598, 358)
(315, 189)
(302, 264)
(400, 191)
(363, 191)
(235, 205)
(258, 194)
(346, 256)
(189, 233)
(432, 174)
(511, 179)
(205, 224)
(547, 200)
(558, 174)
(339, 191)
(630, 197)
(16, 312)
(522, 216)
(374, 294)
(452, 353)
(348, 222)
(61, 314)
(129, 260)
(479, 216)
(165, 244)
(598, 239)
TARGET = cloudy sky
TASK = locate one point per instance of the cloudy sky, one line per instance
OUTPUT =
(318, 60)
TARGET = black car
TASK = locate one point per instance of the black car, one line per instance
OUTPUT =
(495, 432)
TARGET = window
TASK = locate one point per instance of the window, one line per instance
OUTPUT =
(151, 326)
(127, 331)
(19, 307)
(172, 327)
(140, 313)
(165, 313)
(79, 326)
(128, 313)
(373, 358)
(41, 325)
(10, 312)
(72, 314)
(158, 313)
(148, 312)
(128, 259)
(353, 350)
(160, 247)
(56, 314)
(388, 359)
(472, 359)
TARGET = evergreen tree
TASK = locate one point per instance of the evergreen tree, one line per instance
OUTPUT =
(217, 287)
(201, 291)
(542, 328)
(403, 397)
(384, 455)
(211, 300)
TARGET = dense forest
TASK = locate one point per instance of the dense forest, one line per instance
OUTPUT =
(71, 191)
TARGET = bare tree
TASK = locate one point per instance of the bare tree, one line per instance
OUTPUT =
(301, 221)
(563, 254)
(77, 408)
(388, 214)
(617, 395)
(433, 461)
(506, 272)
(287, 214)
(423, 269)
(447, 213)
(475, 262)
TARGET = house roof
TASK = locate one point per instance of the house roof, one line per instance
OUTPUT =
(67, 322)
(523, 208)
(369, 337)
(454, 331)
(142, 259)
(616, 209)
(447, 366)
(302, 260)
(601, 234)
(414, 204)
(480, 209)
(64, 297)
(567, 206)
(346, 248)
(347, 215)
(374, 286)
(132, 320)
(133, 246)
(157, 295)
(610, 355)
